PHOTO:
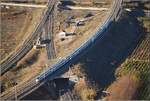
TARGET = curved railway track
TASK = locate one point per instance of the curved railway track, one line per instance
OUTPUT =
(68, 60)
(30, 86)
(28, 44)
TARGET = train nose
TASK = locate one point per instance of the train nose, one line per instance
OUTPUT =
(37, 80)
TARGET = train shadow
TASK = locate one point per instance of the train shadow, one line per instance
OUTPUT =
(101, 61)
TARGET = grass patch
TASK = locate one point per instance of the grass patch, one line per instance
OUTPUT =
(143, 69)
(139, 63)
(145, 22)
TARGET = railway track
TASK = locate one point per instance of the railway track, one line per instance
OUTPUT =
(50, 49)
(66, 61)
(21, 90)
(59, 67)
(28, 44)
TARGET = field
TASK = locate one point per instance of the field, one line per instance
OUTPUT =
(16, 24)
(139, 62)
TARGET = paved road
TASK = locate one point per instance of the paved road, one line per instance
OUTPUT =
(23, 5)
(87, 8)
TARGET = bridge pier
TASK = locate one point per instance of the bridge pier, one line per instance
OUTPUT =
(49, 90)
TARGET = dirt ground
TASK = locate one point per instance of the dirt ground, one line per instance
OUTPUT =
(27, 1)
(27, 68)
(83, 87)
(82, 33)
(16, 24)
(123, 89)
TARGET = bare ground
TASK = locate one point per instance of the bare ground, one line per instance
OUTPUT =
(27, 1)
(124, 88)
(16, 25)
(83, 32)
(83, 88)
(27, 68)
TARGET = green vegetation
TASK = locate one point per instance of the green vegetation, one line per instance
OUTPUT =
(142, 68)
(133, 66)
(139, 63)
(145, 22)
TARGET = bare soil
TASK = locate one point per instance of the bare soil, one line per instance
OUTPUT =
(27, 1)
(16, 25)
(34, 62)
(83, 88)
(124, 88)
(83, 33)
(99, 3)
(27, 68)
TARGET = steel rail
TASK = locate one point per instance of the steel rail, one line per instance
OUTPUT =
(50, 49)
(27, 45)
(26, 87)
(50, 72)
(21, 91)
(47, 74)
